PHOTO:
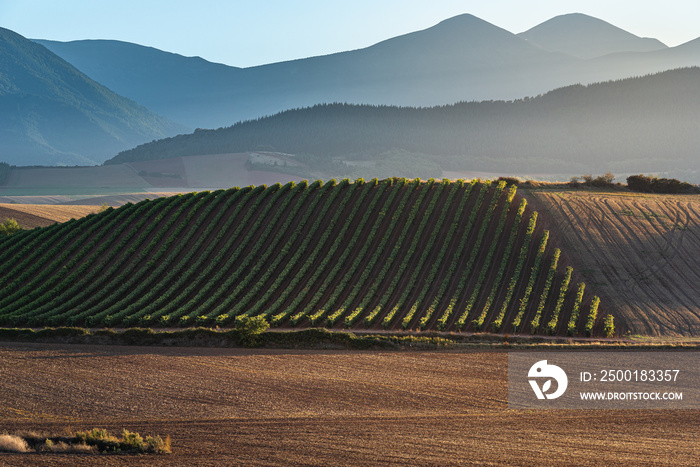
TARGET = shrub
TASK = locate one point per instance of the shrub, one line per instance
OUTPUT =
(509, 180)
(133, 441)
(602, 180)
(250, 328)
(651, 184)
(9, 226)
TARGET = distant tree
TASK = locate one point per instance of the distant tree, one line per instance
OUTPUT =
(652, 184)
(9, 226)
(603, 180)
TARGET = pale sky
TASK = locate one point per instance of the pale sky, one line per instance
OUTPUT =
(254, 32)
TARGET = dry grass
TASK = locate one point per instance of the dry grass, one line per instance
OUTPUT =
(12, 443)
(66, 448)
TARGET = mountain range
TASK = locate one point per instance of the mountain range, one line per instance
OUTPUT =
(52, 114)
(460, 59)
(62, 103)
(645, 124)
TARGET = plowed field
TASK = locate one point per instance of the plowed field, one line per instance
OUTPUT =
(29, 216)
(265, 407)
(639, 252)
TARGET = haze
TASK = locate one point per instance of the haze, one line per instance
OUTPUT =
(248, 33)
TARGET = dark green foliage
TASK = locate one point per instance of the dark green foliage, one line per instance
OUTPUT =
(651, 184)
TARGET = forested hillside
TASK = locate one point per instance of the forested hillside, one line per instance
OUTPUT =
(646, 124)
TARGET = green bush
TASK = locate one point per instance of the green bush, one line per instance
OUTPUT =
(250, 328)
(9, 226)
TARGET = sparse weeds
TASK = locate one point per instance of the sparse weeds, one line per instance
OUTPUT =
(95, 441)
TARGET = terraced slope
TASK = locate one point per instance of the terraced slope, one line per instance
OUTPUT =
(392, 254)
(639, 251)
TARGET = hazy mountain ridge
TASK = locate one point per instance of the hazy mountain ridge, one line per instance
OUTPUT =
(145, 74)
(460, 59)
(586, 37)
(646, 124)
(51, 113)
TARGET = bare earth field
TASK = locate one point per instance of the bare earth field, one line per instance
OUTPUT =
(284, 407)
(639, 252)
(29, 216)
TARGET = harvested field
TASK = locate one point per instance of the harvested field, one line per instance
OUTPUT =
(41, 215)
(276, 407)
(639, 252)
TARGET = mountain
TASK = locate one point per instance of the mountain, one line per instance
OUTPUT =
(168, 83)
(52, 114)
(646, 124)
(586, 37)
(462, 58)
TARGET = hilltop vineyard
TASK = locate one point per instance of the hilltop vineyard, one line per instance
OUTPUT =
(394, 254)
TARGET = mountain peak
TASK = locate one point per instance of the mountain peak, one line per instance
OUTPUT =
(51, 113)
(587, 37)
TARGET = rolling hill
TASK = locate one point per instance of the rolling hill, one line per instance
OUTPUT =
(460, 59)
(393, 254)
(52, 114)
(646, 124)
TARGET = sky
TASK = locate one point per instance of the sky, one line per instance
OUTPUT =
(253, 32)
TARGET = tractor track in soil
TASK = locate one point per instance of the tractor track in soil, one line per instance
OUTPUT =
(638, 252)
(292, 407)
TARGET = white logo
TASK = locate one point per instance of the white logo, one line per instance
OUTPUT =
(542, 370)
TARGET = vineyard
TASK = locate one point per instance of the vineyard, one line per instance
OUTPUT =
(394, 254)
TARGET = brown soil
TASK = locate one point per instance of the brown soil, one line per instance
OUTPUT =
(29, 216)
(276, 407)
(638, 252)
